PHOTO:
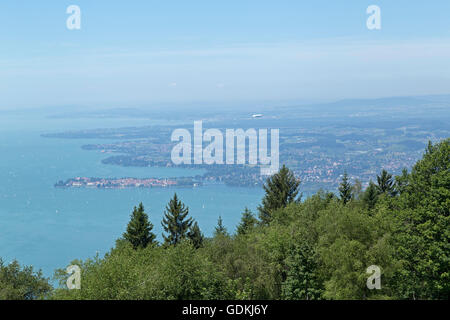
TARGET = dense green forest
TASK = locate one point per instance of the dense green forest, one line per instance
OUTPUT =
(291, 248)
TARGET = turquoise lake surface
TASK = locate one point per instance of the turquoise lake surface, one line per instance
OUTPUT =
(48, 227)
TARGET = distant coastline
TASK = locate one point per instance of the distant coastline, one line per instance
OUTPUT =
(121, 183)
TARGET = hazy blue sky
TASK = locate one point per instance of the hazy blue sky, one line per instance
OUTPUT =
(140, 52)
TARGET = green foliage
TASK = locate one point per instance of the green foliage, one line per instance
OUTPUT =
(345, 189)
(195, 235)
(248, 222)
(22, 283)
(422, 238)
(350, 241)
(302, 278)
(385, 183)
(175, 222)
(172, 273)
(281, 189)
(139, 229)
(186, 274)
(220, 229)
(370, 196)
(401, 182)
(247, 263)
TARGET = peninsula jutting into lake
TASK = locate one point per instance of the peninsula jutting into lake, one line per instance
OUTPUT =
(118, 183)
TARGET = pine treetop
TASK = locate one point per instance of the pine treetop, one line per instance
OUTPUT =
(220, 228)
(176, 222)
(281, 189)
(345, 189)
(248, 221)
(139, 229)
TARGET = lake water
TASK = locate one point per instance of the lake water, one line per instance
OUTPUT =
(48, 227)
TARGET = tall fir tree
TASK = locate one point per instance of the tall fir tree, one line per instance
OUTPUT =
(176, 222)
(139, 229)
(401, 182)
(248, 222)
(345, 189)
(385, 183)
(281, 189)
(195, 235)
(370, 196)
(220, 228)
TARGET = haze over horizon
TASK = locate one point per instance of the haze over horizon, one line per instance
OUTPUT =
(199, 52)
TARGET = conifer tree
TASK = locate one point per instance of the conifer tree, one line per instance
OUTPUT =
(195, 235)
(345, 189)
(248, 222)
(385, 183)
(401, 182)
(176, 222)
(220, 228)
(371, 196)
(281, 189)
(139, 229)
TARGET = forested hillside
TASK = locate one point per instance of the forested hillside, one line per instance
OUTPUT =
(292, 248)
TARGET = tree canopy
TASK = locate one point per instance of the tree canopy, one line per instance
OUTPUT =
(22, 283)
(281, 189)
(139, 230)
(176, 222)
